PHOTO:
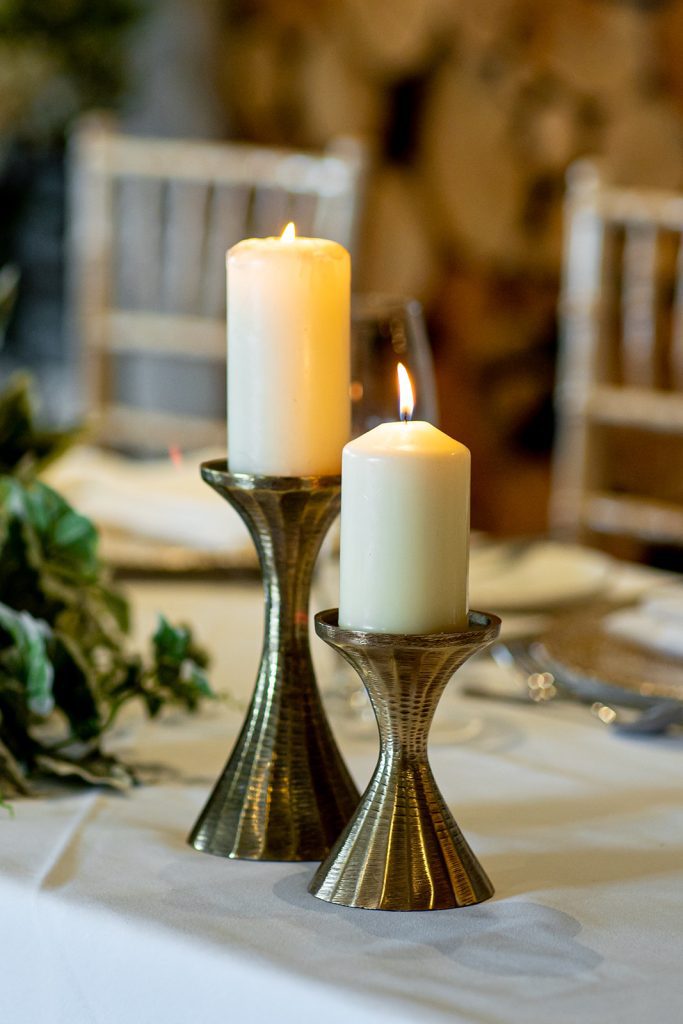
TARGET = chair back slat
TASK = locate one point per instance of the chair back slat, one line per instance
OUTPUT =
(90, 271)
(138, 242)
(677, 323)
(579, 322)
(227, 224)
(638, 305)
(581, 296)
(302, 210)
(269, 211)
(184, 246)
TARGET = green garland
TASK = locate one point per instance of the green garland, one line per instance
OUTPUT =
(65, 670)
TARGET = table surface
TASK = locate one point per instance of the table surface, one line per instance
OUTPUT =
(109, 916)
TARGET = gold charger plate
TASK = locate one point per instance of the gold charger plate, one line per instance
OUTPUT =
(595, 665)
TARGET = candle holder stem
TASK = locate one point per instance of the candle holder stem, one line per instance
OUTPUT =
(285, 793)
(403, 850)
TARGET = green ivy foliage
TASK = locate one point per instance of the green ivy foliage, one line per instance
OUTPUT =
(65, 668)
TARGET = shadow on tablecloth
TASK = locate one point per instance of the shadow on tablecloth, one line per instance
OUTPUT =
(510, 937)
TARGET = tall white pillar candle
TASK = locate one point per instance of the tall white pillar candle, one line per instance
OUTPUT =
(288, 355)
(404, 531)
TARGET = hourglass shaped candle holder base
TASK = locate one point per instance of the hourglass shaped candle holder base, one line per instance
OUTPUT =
(403, 850)
(285, 793)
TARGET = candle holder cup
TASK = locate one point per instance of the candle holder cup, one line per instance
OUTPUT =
(285, 793)
(402, 849)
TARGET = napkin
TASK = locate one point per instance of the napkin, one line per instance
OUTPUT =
(162, 501)
(656, 623)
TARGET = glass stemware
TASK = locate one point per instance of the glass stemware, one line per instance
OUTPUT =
(385, 331)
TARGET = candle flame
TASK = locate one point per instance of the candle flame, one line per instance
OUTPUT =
(406, 401)
(289, 234)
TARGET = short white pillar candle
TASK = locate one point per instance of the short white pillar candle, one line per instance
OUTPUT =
(404, 531)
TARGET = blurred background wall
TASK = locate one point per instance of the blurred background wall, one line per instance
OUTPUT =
(473, 112)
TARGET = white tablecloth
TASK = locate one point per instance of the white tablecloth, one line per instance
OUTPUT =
(109, 917)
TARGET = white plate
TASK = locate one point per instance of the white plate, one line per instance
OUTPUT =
(538, 577)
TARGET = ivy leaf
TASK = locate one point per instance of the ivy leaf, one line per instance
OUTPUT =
(170, 642)
(96, 769)
(178, 671)
(9, 290)
(32, 664)
(5, 516)
(74, 687)
(68, 540)
(195, 675)
(117, 606)
(12, 778)
(25, 448)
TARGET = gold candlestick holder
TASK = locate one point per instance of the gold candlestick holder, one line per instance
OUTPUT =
(285, 793)
(403, 850)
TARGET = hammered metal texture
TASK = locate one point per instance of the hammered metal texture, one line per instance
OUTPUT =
(402, 850)
(285, 793)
